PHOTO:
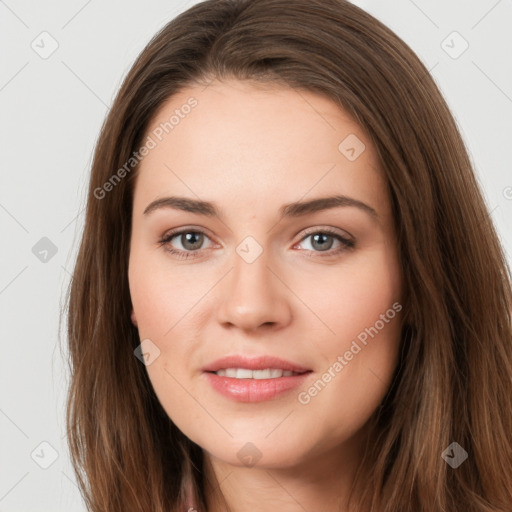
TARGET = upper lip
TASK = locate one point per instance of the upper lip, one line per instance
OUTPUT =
(254, 363)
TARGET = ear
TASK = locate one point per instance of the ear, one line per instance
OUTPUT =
(133, 317)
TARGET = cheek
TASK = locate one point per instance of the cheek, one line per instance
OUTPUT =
(351, 298)
(361, 307)
(161, 295)
(163, 302)
(360, 376)
(171, 384)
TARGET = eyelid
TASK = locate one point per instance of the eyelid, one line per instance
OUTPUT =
(186, 229)
(329, 230)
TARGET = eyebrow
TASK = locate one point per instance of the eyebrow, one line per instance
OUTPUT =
(296, 209)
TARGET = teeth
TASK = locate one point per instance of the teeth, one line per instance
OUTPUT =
(244, 373)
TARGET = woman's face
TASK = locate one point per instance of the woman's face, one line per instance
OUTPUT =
(274, 270)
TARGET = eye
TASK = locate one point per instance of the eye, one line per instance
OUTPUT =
(190, 240)
(322, 241)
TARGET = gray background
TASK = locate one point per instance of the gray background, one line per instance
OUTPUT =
(52, 107)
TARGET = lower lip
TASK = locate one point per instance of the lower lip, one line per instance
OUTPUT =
(254, 390)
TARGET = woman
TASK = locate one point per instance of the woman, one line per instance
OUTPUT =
(289, 291)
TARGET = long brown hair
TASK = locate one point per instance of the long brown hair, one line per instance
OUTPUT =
(453, 382)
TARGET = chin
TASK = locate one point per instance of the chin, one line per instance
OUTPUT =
(252, 451)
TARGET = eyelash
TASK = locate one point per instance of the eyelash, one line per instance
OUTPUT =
(345, 243)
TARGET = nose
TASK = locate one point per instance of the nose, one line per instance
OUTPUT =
(254, 296)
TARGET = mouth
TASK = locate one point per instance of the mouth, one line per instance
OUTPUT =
(244, 379)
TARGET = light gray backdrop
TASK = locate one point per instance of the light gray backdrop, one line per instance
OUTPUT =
(61, 64)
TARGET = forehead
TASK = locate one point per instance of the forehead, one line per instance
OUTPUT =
(257, 141)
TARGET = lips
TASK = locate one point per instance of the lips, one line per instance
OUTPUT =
(244, 379)
(255, 363)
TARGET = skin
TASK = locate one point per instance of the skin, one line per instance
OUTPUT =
(251, 149)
